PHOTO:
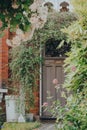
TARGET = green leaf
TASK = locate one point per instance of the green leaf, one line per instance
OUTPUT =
(18, 16)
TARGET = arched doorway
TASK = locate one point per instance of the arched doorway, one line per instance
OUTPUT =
(52, 68)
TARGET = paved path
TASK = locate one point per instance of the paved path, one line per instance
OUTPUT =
(47, 126)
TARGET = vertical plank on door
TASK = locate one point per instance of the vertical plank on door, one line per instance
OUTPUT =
(52, 69)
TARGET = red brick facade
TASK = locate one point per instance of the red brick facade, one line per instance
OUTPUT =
(3, 59)
(4, 69)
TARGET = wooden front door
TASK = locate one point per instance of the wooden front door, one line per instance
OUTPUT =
(52, 69)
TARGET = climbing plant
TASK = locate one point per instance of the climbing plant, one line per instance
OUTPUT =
(13, 13)
(24, 68)
(52, 28)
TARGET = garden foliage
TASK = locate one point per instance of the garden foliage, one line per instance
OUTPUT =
(52, 28)
(24, 68)
(12, 14)
(25, 59)
(77, 58)
(73, 116)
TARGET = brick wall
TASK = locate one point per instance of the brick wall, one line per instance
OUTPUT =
(35, 110)
(4, 68)
(3, 59)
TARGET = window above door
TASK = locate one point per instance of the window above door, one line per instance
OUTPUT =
(52, 50)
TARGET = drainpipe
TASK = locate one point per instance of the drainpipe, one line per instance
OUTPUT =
(40, 83)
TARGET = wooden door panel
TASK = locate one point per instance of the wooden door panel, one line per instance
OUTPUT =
(60, 76)
(52, 69)
(58, 73)
(48, 75)
(47, 79)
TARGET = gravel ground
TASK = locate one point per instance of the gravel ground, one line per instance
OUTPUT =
(47, 126)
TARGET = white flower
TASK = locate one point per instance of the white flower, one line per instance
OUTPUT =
(35, 5)
(37, 21)
(14, 5)
(16, 40)
(20, 33)
(25, 13)
(34, 19)
(9, 42)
